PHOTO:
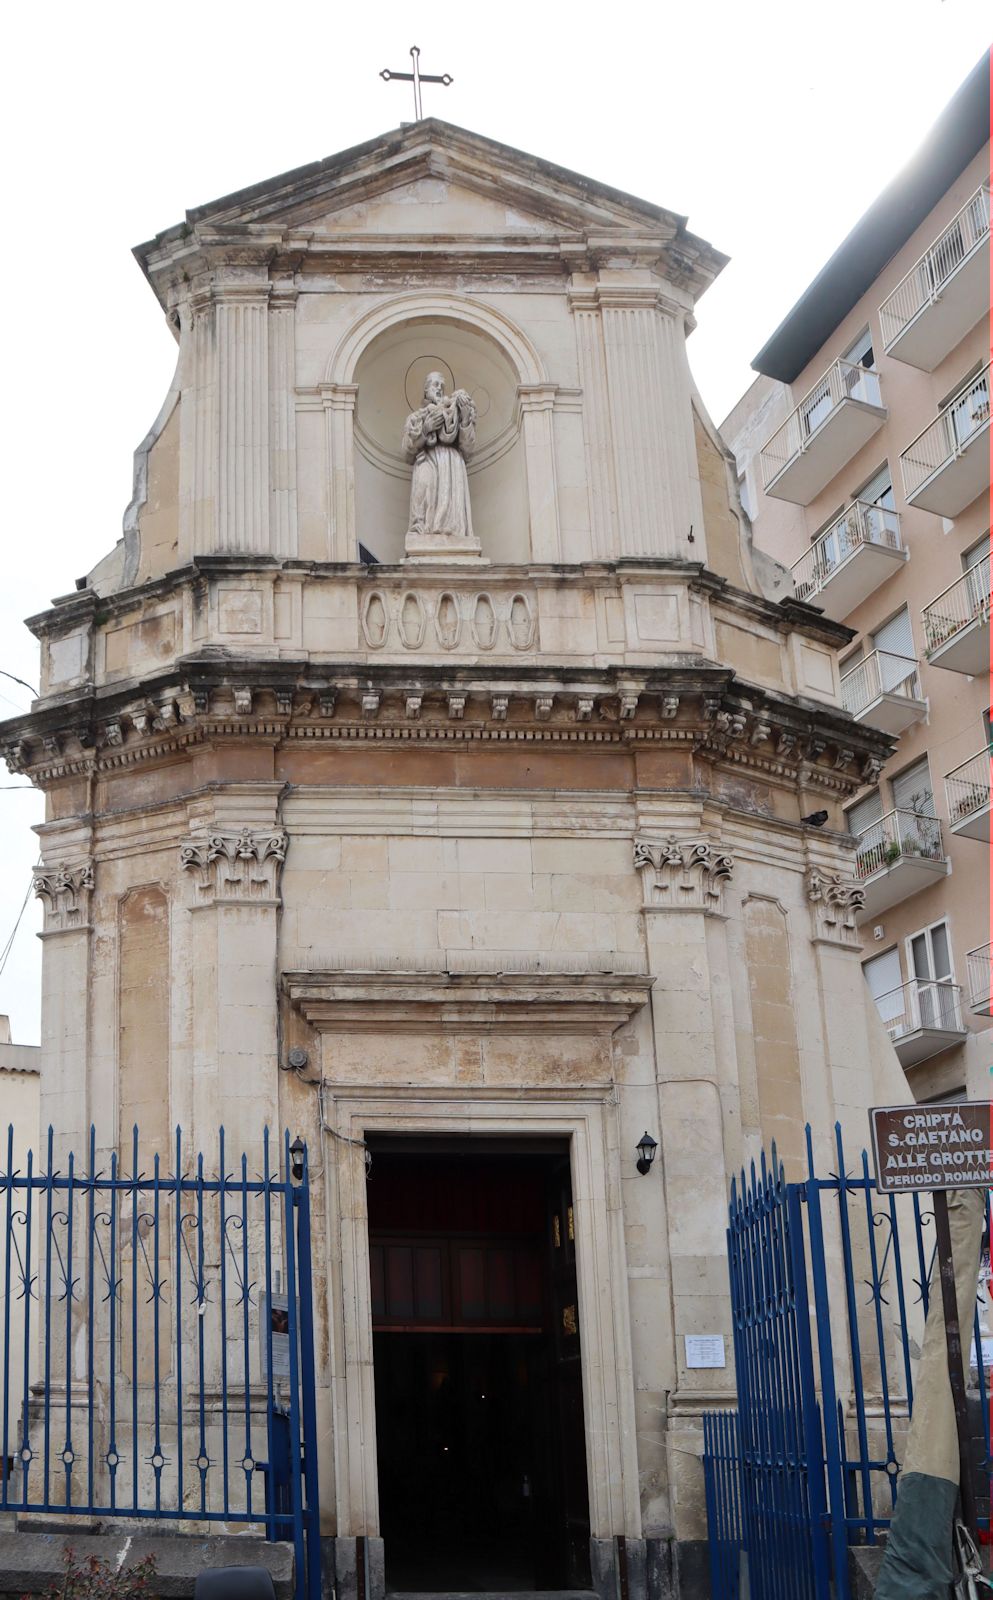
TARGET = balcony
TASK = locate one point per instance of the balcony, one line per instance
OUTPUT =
(979, 965)
(967, 795)
(896, 857)
(948, 466)
(944, 294)
(884, 691)
(850, 559)
(957, 623)
(838, 416)
(922, 1019)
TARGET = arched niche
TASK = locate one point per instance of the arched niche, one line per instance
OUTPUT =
(376, 377)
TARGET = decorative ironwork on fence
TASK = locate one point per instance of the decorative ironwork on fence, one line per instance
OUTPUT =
(897, 834)
(967, 788)
(843, 380)
(955, 426)
(965, 601)
(925, 281)
(809, 1464)
(156, 1342)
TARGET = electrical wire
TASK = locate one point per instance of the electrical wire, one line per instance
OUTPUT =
(8, 947)
(23, 685)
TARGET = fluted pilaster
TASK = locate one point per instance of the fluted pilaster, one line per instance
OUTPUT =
(242, 333)
(596, 423)
(282, 423)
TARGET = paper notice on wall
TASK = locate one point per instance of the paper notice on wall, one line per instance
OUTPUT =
(705, 1350)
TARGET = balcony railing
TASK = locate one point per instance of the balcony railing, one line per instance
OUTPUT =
(953, 429)
(979, 966)
(965, 601)
(842, 381)
(862, 524)
(926, 278)
(918, 1004)
(897, 836)
(877, 674)
(967, 788)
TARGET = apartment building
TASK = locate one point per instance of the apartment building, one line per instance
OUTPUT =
(863, 455)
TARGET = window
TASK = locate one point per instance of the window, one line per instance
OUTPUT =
(865, 812)
(970, 407)
(897, 660)
(912, 790)
(884, 977)
(865, 387)
(976, 566)
(929, 956)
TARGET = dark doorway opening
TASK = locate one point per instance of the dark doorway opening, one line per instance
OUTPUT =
(476, 1342)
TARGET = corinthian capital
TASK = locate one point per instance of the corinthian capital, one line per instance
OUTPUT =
(65, 891)
(241, 866)
(835, 903)
(683, 874)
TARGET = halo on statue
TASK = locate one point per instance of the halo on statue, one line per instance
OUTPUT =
(413, 383)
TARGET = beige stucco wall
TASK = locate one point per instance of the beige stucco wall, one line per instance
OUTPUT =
(953, 729)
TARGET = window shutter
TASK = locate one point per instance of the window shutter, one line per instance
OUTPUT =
(915, 783)
(883, 976)
(865, 813)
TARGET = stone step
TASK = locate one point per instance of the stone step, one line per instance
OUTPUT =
(31, 1562)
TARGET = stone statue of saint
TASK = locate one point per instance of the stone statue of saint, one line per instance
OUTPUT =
(437, 439)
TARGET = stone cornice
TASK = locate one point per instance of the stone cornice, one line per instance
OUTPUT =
(698, 706)
(84, 607)
(473, 1002)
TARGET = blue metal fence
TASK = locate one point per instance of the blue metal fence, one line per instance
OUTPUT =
(809, 1464)
(156, 1342)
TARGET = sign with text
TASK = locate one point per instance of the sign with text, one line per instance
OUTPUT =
(933, 1147)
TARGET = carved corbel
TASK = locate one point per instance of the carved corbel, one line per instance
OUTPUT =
(498, 707)
(835, 903)
(326, 702)
(412, 706)
(629, 705)
(683, 874)
(842, 758)
(284, 702)
(761, 732)
(65, 893)
(243, 702)
(543, 706)
(241, 867)
(669, 707)
(456, 706)
(584, 707)
(370, 705)
(870, 770)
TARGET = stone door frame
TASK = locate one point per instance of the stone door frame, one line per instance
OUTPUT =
(588, 1119)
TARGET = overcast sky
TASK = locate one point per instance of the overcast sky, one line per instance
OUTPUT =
(771, 125)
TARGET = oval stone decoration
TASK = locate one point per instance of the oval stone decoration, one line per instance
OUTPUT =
(375, 620)
(447, 622)
(521, 622)
(412, 620)
(484, 622)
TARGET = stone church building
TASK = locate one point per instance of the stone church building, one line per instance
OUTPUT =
(469, 855)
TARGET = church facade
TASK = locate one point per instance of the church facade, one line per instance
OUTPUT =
(469, 853)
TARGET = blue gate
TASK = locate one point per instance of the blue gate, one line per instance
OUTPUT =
(157, 1343)
(802, 1471)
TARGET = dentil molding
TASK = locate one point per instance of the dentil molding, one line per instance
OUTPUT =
(683, 874)
(65, 892)
(240, 867)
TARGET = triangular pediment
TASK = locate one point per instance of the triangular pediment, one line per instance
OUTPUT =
(431, 177)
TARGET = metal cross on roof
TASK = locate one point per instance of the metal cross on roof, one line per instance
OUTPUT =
(417, 77)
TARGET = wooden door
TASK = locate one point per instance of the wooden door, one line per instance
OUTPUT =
(570, 1514)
